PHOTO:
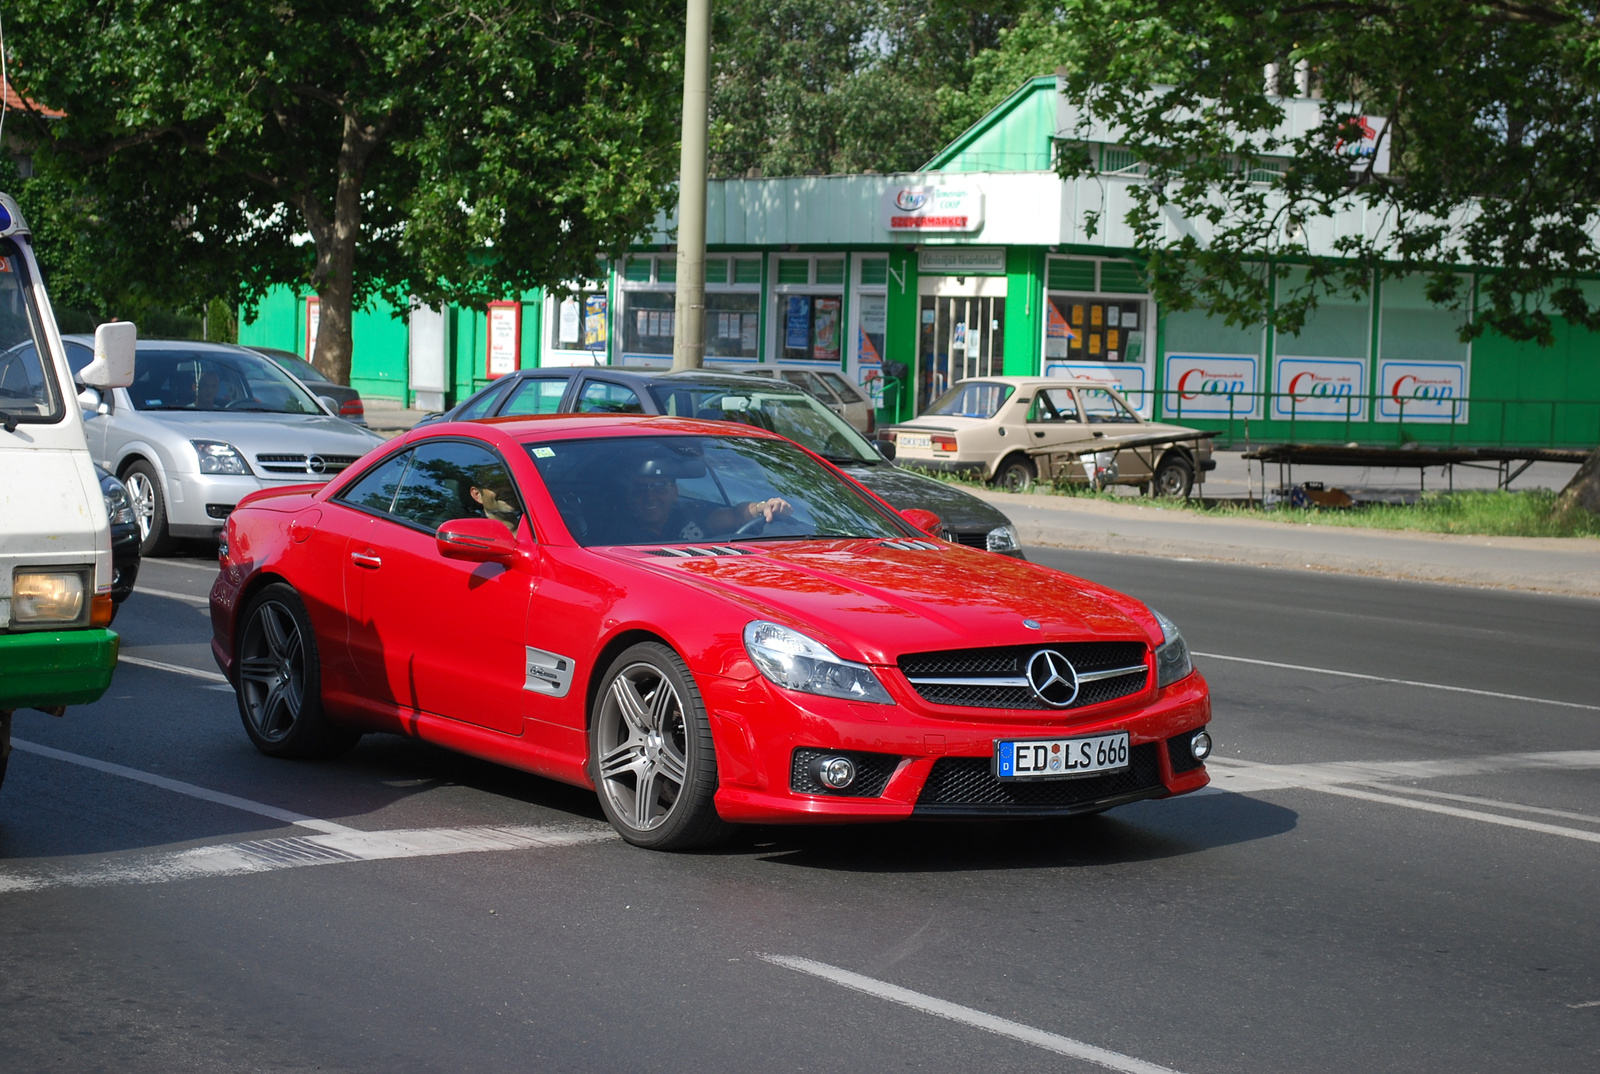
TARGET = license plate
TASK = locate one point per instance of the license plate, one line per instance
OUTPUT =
(903, 440)
(1057, 758)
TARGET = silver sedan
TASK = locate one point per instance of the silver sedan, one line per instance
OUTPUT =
(203, 425)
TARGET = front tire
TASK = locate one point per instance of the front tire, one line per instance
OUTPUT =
(149, 508)
(651, 754)
(1016, 474)
(1174, 478)
(280, 680)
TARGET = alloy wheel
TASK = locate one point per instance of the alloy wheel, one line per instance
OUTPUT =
(272, 672)
(143, 494)
(643, 746)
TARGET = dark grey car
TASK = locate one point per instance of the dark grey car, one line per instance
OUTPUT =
(770, 404)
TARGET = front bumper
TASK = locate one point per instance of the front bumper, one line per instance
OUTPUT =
(758, 727)
(56, 667)
(198, 505)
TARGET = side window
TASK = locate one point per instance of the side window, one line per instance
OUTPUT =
(1053, 405)
(604, 397)
(374, 490)
(537, 395)
(449, 479)
(78, 356)
(483, 404)
(841, 388)
(1103, 408)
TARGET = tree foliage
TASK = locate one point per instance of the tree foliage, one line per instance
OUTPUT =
(1493, 131)
(453, 151)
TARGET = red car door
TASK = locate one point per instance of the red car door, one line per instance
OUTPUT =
(438, 635)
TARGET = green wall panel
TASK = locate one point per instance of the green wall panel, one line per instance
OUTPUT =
(900, 331)
(1024, 313)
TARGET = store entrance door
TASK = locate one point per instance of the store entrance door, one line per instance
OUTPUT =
(960, 337)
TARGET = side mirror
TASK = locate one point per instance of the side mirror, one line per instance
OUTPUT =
(114, 346)
(90, 402)
(331, 403)
(480, 540)
(926, 521)
(885, 448)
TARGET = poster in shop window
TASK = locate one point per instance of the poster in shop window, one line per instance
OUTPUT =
(505, 338)
(569, 321)
(827, 347)
(797, 325)
(594, 323)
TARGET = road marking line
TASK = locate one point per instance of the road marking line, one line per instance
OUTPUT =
(210, 568)
(171, 595)
(179, 787)
(1400, 682)
(268, 855)
(1581, 1006)
(1472, 799)
(1468, 814)
(1004, 1027)
(178, 669)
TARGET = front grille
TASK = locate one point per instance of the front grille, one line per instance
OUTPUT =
(313, 465)
(972, 539)
(968, 785)
(872, 773)
(1180, 756)
(1011, 662)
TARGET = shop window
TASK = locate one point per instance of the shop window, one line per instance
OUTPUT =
(1095, 328)
(794, 270)
(648, 318)
(830, 270)
(874, 271)
(810, 329)
(648, 322)
(747, 270)
(579, 322)
(733, 324)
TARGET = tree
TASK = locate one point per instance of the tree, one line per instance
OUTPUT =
(1491, 118)
(458, 152)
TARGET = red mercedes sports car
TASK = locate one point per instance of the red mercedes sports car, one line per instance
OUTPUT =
(705, 623)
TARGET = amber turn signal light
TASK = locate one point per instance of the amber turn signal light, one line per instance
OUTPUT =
(101, 610)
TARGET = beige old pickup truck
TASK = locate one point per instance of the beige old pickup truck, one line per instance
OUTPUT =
(1013, 431)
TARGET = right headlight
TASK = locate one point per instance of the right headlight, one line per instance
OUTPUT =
(217, 457)
(119, 506)
(796, 662)
(1172, 657)
(1003, 539)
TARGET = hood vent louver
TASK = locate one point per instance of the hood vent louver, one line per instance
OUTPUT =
(692, 552)
(910, 546)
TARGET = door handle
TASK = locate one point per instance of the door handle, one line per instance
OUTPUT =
(1039, 434)
(366, 559)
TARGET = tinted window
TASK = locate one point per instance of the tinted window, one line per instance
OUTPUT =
(28, 390)
(1054, 404)
(676, 489)
(483, 403)
(215, 380)
(375, 489)
(604, 397)
(972, 400)
(537, 395)
(78, 356)
(841, 388)
(449, 479)
(1103, 408)
(790, 414)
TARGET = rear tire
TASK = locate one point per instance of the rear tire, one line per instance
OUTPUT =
(651, 755)
(1016, 474)
(149, 508)
(1174, 478)
(279, 680)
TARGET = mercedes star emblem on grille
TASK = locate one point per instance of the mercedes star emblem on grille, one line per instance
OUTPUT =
(315, 464)
(1053, 678)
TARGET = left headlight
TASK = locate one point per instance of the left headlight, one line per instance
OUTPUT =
(41, 597)
(1172, 658)
(1003, 539)
(217, 457)
(119, 505)
(796, 662)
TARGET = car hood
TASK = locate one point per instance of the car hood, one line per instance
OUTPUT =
(958, 509)
(272, 433)
(870, 601)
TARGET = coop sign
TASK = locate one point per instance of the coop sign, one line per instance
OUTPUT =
(1319, 389)
(1211, 385)
(1422, 391)
(933, 209)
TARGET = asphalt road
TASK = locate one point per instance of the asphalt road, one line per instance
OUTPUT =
(1386, 876)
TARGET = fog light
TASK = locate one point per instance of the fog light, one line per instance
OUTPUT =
(834, 773)
(1200, 745)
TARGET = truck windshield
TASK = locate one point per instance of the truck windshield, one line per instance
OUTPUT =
(28, 388)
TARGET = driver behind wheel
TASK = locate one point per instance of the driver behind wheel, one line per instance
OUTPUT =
(656, 514)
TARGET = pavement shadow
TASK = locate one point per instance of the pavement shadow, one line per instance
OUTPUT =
(1145, 831)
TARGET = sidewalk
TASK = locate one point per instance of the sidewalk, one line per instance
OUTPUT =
(388, 417)
(1569, 566)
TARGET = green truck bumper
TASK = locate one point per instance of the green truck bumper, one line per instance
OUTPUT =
(58, 667)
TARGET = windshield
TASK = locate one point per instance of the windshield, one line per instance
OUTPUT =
(1103, 408)
(694, 489)
(792, 414)
(972, 400)
(215, 380)
(28, 389)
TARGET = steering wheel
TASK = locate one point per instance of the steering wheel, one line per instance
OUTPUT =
(236, 404)
(753, 528)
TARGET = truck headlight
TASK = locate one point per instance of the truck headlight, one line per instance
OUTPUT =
(1003, 539)
(39, 597)
(217, 457)
(1172, 657)
(796, 662)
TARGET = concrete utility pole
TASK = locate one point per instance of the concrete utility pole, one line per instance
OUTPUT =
(689, 323)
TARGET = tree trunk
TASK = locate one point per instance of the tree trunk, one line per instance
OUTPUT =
(1583, 491)
(335, 241)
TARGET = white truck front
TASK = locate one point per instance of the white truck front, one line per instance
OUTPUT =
(55, 538)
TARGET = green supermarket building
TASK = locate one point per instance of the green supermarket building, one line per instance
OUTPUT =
(897, 286)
